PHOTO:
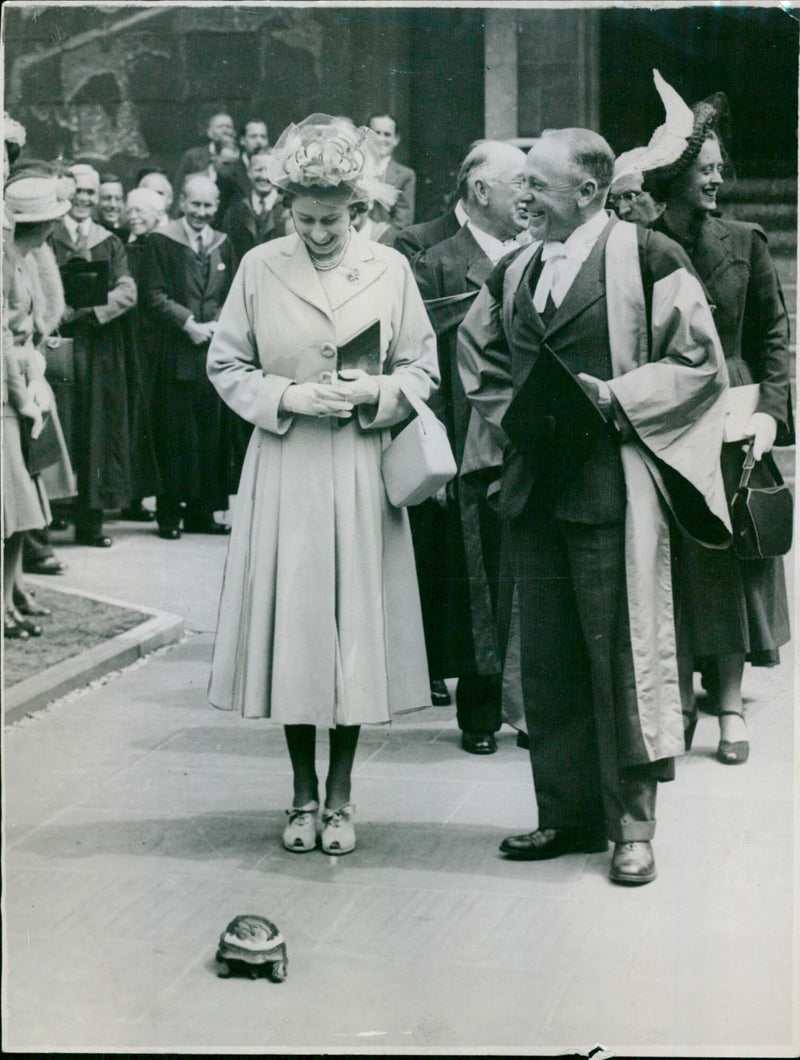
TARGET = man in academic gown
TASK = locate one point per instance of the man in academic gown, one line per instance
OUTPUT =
(592, 553)
(457, 538)
(187, 272)
(99, 411)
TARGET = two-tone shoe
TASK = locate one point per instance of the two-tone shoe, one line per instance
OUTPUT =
(546, 843)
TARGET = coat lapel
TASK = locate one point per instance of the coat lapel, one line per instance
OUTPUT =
(294, 270)
(713, 250)
(358, 271)
(587, 287)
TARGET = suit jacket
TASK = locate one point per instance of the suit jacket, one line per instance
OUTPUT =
(452, 268)
(733, 261)
(412, 241)
(402, 213)
(245, 229)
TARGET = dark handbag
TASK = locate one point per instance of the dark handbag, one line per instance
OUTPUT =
(44, 451)
(761, 516)
(59, 353)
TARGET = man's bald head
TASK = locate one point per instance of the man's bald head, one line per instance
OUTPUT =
(199, 201)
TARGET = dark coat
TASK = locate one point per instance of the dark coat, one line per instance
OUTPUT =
(730, 605)
(412, 241)
(405, 180)
(192, 433)
(456, 563)
(109, 442)
(245, 229)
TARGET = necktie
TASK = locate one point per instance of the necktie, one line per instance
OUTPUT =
(82, 236)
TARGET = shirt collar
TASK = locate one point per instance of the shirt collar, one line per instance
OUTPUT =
(492, 247)
(73, 226)
(461, 214)
(191, 235)
(578, 245)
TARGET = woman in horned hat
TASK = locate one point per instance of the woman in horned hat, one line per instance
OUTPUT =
(319, 621)
(734, 610)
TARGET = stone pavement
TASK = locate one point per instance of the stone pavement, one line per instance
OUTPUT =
(139, 821)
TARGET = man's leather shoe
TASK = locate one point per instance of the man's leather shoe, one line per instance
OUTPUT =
(440, 697)
(95, 540)
(169, 533)
(547, 843)
(633, 863)
(479, 743)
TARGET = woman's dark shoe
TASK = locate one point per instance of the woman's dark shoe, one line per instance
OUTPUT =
(733, 752)
(33, 629)
(95, 540)
(546, 843)
(689, 725)
(26, 605)
(59, 523)
(633, 863)
(169, 533)
(12, 630)
(44, 565)
(440, 697)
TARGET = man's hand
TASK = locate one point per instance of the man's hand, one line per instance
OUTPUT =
(762, 428)
(71, 315)
(315, 399)
(199, 333)
(601, 393)
(358, 386)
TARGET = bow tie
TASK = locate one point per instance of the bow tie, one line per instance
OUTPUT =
(554, 250)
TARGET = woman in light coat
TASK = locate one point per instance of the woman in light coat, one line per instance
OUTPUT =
(319, 621)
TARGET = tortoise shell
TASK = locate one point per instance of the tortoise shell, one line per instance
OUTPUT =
(251, 938)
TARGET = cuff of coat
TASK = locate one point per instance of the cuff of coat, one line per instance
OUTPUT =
(392, 407)
(272, 418)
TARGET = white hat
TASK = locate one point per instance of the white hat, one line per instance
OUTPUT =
(35, 198)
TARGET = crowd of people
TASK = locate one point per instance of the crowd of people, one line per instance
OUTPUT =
(573, 579)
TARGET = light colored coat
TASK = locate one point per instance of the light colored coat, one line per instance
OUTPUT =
(319, 619)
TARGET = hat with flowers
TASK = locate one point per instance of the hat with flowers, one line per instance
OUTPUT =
(329, 159)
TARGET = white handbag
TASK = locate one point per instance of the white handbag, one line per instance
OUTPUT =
(419, 460)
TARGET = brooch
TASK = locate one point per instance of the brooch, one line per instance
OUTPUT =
(352, 275)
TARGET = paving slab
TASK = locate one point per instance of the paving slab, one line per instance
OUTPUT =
(139, 821)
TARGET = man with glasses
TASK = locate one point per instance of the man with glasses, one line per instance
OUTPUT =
(627, 197)
(591, 547)
(457, 538)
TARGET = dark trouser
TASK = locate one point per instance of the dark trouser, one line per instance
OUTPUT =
(576, 666)
(88, 521)
(197, 513)
(478, 703)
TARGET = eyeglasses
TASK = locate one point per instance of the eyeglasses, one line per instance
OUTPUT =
(518, 182)
(629, 197)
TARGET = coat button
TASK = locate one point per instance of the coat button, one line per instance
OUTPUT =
(327, 350)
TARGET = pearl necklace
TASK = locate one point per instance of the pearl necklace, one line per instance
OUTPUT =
(323, 264)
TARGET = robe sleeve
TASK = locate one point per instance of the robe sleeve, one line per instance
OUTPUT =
(234, 368)
(686, 375)
(156, 292)
(411, 365)
(122, 288)
(484, 362)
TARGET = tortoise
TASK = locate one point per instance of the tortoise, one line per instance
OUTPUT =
(251, 945)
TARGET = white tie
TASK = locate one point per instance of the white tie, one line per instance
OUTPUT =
(554, 279)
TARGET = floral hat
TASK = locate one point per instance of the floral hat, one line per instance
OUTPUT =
(330, 159)
(677, 143)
